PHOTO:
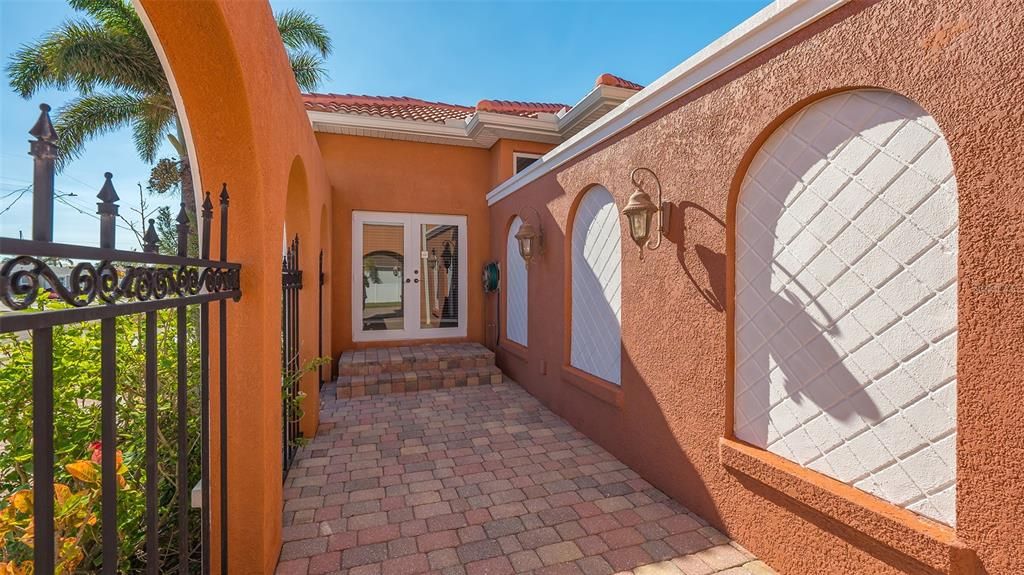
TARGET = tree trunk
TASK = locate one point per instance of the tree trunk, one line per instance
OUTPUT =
(188, 191)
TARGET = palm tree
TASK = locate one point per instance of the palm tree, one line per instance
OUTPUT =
(108, 58)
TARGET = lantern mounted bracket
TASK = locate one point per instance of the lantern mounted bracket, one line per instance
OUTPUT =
(640, 210)
(531, 241)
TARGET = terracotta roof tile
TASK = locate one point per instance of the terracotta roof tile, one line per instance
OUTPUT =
(404, 108)
(524, 109)
(401, 108)
(612, 80)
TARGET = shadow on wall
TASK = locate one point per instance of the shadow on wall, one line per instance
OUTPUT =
(711, 283)
(793, 344)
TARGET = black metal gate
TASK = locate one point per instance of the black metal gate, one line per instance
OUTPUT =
(111, 285)
(320, 319)
(291, 283)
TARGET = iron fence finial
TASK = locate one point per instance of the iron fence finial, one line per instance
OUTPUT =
(107, 193)
(43, 129)
(150, 238)
(182, 217)
(224, 194)
(183, 225)
(204, 239)
(207, 206)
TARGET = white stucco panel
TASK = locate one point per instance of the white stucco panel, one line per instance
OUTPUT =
(516, 313)
(846, 299)
(596, 281)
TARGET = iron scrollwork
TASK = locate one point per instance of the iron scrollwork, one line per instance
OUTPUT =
(22, 278)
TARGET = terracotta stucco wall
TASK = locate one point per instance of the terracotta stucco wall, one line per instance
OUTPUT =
(502, 153)
(249, 129)
(960, 61)
(373, 174)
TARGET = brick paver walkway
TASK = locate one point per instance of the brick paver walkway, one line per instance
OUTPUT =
(481, 480)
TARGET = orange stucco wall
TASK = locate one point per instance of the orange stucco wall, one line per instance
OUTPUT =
(249, 129)
(373, 174)
(958, 59)
(502, 157)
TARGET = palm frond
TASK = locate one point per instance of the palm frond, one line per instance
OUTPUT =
(300, 30)
(151, 125)
(91, 115)
(28, 71)
(309, 70)
(87, 56)
(117, 15)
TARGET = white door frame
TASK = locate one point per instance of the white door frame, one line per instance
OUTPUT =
(414, 269)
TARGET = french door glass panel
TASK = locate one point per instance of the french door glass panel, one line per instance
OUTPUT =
(412, 281)
(439, 291)
(383, 273)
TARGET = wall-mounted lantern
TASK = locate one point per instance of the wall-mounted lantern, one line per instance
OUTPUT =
(531, 240)
(640, 212)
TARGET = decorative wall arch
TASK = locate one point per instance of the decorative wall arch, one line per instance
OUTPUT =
(516, 288)
(595, 255)
(846, 287)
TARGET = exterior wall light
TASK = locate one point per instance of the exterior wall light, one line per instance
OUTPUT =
(531, 240)
(640, 212)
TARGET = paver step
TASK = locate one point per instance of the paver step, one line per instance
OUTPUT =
(417, 358)
(418, 380)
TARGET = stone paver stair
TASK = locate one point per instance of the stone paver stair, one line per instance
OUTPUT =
(402, 369)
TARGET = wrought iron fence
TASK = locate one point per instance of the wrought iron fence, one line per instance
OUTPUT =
(320, 319)
(105, 284)
(291, 283)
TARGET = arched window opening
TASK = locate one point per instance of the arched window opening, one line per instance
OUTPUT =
(846, 299)
(516, 289)
(596, 282)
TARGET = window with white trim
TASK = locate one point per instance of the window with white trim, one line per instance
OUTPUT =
(522, 160)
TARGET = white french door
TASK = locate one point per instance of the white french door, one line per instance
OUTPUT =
(408, 276)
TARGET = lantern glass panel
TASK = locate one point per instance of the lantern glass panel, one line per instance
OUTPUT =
(640, 225)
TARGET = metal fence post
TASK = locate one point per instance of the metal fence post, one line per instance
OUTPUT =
(44, 153)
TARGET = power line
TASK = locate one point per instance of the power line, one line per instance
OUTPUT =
(11, 205)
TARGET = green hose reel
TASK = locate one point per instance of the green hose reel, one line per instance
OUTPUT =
(492, 275)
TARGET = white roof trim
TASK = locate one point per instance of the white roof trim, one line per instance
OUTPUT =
(481, 129)
(768, 26)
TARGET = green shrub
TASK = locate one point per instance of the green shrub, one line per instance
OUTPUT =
(77, 426)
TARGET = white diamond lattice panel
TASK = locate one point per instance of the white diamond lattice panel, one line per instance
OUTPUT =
(846, 299)
(596, 280)
(516, 288)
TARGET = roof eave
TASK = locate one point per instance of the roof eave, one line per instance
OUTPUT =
(765, 28)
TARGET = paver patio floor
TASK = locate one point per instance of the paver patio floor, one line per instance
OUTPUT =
(480, 480)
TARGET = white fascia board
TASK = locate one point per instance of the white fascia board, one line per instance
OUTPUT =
(770, 25)
(480, 121)
(596, 98)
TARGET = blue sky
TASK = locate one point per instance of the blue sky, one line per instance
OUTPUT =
(458, 52)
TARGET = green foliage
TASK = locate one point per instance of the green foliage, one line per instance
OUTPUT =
(77, 425)
(293, 402)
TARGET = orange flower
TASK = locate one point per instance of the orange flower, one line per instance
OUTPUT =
(83, 470)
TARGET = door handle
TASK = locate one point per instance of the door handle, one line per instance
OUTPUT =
(416, 281)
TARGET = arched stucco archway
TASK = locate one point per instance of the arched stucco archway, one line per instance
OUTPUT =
(846, 299)
(298, 224)
(246, 126)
